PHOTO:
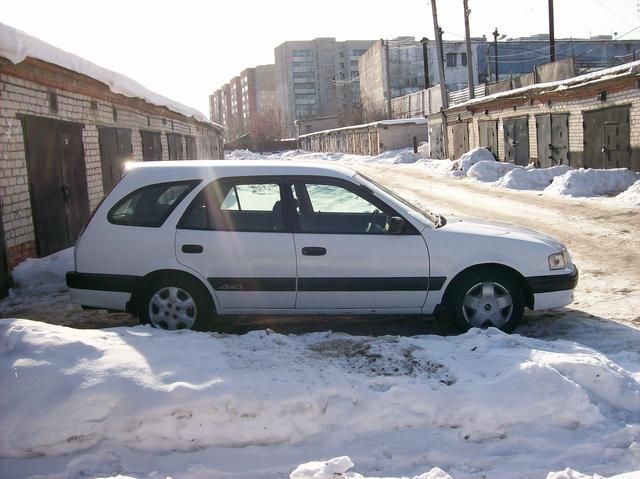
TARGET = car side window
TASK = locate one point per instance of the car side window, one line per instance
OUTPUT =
(150, 206)
(330, 208)
(236, 206)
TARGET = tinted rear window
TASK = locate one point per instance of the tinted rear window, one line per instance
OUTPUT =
(150, 206)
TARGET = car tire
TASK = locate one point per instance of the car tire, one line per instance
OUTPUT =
(175, 302)
(486, 298)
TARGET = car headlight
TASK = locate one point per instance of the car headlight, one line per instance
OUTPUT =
(560, 260)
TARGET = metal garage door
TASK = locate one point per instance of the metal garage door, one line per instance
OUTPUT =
(552, 133)
(4, 269)
(151, 146)
(115, 151)
(606, 138)
(516, 140)
(175, 147)
(460, 139)
(436, 140)
(488, 133)
(58, 181)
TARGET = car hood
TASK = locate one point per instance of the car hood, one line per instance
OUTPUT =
(480, 227)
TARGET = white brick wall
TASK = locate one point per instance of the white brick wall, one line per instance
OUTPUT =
(630, 96)
(18, 96)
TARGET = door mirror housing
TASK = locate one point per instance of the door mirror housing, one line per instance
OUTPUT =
(396, 224)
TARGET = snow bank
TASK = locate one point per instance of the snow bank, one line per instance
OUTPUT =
(44, 274)
(338, 467)
(482, 401)
(470, 158)
(630, 197)
(531, 178)
(16, 45)
(591, 182)
(489, 171)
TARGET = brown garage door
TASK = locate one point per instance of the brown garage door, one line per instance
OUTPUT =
(115, 151)
(58, 181)
(4, 270)
(151, 146)
(606, 138)
(175, 146)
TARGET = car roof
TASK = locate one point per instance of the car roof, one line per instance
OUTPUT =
(227, 168)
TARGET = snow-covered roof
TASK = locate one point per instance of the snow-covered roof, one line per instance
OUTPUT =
(15, 46)
(620, 71)
(375, 124)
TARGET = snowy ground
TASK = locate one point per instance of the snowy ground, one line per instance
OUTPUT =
(562, 393)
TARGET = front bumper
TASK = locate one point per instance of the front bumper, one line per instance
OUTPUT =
(553, 282)
(553, 291)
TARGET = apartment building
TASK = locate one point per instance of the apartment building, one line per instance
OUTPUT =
(318, 78)
(246, 103)
(404, 59)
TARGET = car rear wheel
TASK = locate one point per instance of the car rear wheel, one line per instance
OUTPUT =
(175, 302)
(487, 298)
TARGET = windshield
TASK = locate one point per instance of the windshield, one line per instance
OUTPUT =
(434, 218)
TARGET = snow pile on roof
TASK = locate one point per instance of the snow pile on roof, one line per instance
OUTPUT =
(16, 45)
(591, 182)
(631, 68)
(286, 400)
(470, 158)
(44, 274)
(630, 197)
(490, 171)
(531, 178)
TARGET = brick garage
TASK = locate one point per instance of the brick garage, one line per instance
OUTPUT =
(92, 130)
(602, 104)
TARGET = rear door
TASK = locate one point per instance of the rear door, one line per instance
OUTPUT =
(346, 256)
(235, 235)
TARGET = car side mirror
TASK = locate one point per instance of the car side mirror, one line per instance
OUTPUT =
(396, 224)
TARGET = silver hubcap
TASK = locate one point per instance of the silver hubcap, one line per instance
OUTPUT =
(487, 304)
(172, 308)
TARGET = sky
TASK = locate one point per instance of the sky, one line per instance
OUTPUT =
(185, 50)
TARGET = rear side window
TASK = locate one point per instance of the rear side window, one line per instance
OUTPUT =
(240, 205)
(150, 206)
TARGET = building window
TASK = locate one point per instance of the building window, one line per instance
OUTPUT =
(451, 59)
(463, 59)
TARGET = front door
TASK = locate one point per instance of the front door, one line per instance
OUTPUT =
(235, 235)
(58, 181)
(347, 257)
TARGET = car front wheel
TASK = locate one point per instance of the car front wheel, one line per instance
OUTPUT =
(174, 303)
(487, 298)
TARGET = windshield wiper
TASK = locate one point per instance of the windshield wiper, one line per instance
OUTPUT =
(440, 220)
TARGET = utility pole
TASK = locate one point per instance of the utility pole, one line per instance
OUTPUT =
(386, 54)
(495, 52)
(552, 38)
(467, 37)
(425, 59)
(438, 32)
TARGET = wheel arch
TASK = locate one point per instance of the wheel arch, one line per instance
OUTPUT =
(522, 282)
(149, 278)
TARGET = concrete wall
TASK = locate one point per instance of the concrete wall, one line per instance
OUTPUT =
(24, 90)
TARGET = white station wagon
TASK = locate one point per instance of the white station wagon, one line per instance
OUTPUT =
(180, 243)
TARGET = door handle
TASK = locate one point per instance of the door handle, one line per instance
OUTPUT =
(314, 251)
(192, 248)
